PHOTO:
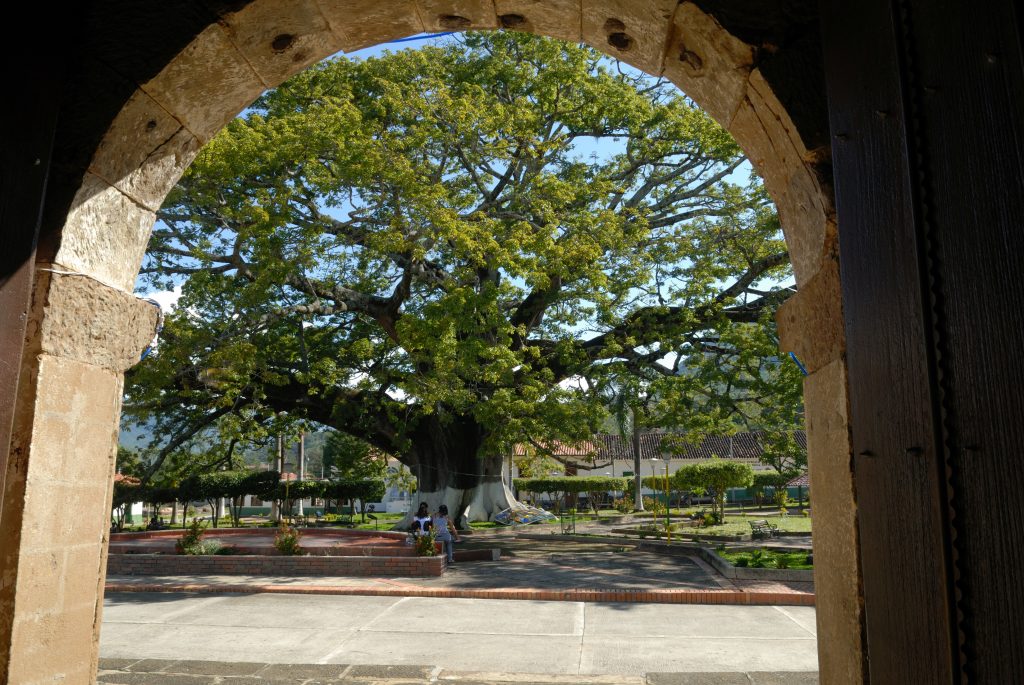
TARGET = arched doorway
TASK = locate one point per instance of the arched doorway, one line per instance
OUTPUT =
(89, 329)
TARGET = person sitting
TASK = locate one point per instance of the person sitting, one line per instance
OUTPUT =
(421, 522)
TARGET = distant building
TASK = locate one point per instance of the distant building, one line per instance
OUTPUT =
(612, 455)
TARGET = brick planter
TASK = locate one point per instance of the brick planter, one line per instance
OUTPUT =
(182, 565)
(748, 573)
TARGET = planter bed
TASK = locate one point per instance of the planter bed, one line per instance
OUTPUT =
(749, 573)
(238, 564)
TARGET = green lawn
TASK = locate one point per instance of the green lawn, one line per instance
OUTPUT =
(735, 525)
(766, 558)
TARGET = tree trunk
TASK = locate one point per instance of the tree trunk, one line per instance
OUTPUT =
(447, 458)
(275, 514)
(638, 502)
(302, 464)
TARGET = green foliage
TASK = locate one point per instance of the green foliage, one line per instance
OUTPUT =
(766, 558)
(363, 490)
(366, 490)
(401, 478)
(286, 541)
(129, 462)
(347, 457)
(191, 541)
(655, 506)
(777, 482)
(425, 545)
(127, 489)
(570, 485)
(410, 248)
(715, 476)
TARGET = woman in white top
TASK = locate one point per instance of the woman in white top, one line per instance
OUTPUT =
(421, 522)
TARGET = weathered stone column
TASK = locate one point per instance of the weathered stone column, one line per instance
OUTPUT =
(811, 325)
(55, 516)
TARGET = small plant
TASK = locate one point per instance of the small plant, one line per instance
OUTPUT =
(191, 541)
(782, 561)
(720, 547)
(287, 540)
(425, 546)
(655, 506)
(742, 562)
(623, 505)
(757, 559)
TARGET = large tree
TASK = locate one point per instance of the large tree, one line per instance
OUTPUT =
(421, 250)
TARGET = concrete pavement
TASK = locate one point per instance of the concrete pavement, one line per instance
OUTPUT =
(565, 639)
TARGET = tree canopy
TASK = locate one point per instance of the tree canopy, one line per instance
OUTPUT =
(419, 250)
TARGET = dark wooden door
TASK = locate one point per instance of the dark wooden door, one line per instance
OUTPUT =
(926, 102)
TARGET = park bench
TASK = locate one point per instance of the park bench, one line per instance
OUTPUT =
(762, 529)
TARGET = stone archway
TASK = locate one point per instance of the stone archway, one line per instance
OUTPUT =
(86, 328)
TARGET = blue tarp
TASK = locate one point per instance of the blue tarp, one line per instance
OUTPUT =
(522, 514)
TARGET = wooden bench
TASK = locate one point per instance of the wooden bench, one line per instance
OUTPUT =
(762, 529)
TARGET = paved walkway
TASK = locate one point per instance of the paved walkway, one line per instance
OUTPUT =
(530, 569)
(248, 639)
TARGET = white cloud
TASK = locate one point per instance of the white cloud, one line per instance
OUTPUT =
(167, 299)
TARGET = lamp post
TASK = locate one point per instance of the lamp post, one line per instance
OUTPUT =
(654, 487)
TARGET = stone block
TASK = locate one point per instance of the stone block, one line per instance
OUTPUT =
(811, 321)
(206, 84)
(362, 23)
(83, 583)
(457, 15)
(836, 539)
(61, 515)
(790, 182)
(105, 234)
(708, 63)
(40, 585)
(805, 221)
(555, 18)
(280, 38)
(53, 647)
(144, 151)
(763, 99)
(75, 425)
(89, 322)
(635, 31)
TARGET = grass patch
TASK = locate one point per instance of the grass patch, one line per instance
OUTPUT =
(738, 525)
(766, 558)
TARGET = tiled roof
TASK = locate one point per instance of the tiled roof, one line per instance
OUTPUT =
(801, 481)
(739, 446)
(560, 449)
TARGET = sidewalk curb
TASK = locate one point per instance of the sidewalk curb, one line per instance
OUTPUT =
(737, 597)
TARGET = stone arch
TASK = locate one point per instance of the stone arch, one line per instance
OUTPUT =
(167, 119)
(90, 264)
